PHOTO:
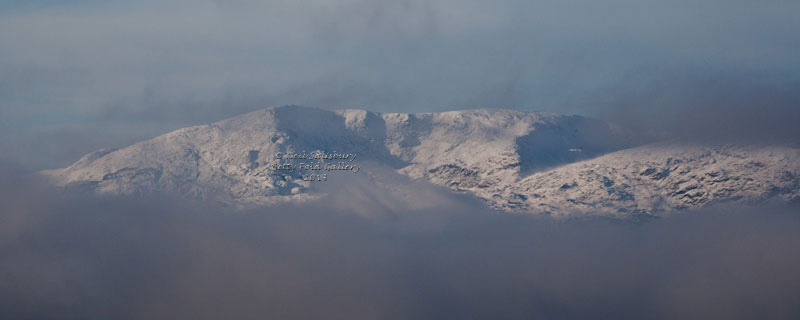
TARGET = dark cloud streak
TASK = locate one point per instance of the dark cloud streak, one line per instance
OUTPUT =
(707, 105)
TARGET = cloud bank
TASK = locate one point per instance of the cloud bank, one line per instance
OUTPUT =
(77, 256)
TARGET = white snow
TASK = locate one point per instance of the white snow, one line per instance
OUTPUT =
(516, 161)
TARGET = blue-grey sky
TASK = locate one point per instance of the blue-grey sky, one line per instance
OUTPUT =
(79, 75)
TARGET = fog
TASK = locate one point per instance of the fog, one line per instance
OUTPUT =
(70, 256)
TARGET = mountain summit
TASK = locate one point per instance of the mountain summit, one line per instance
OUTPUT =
(515, 161)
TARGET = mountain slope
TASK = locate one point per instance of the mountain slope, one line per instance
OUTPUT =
(657, 178)
(514, 160)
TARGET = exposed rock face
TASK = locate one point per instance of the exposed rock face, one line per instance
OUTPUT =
(514, 160)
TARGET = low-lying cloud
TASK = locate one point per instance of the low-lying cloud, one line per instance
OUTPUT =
(78, 256)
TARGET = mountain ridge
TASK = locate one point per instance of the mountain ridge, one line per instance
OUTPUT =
(516, 161)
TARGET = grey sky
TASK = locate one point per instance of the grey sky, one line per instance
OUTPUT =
(81, 75)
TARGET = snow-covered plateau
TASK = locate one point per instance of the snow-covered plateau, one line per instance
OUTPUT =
(516, 161)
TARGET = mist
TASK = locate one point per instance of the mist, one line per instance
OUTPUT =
(70, 256)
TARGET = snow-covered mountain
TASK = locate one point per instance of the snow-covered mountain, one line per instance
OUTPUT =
(514, 160)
